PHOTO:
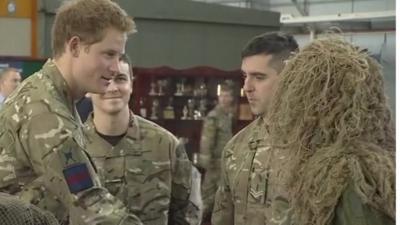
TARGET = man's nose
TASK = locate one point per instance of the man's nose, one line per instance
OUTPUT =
(115, 65)
(248, 84)
(112, 87)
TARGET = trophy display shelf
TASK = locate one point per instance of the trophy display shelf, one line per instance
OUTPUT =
(178, 99)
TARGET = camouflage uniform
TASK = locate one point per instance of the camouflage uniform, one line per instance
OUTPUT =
(217, 130)
(148, 170)
(42, 157)
(253, 186)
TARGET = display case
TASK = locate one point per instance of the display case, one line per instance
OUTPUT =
(178, 100)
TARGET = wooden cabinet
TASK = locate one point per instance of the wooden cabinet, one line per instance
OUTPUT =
(178, 99)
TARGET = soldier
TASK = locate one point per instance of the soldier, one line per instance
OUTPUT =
(332, 124)
(216, 132)
(42, 146)
(140, 162)
(242, 194)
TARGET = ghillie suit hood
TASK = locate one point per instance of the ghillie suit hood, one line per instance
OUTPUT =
(330, 110)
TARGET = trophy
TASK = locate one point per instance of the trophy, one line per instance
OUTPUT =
(154, 109)
(162, 84)
(180, 86)
(153, 86)
(190, 109)
(142, 109)
(169, 112)
(200, 88)
(185, 113)
(203, 90)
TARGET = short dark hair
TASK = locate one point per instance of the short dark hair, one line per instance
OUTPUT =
(125, 58)
(278, 44)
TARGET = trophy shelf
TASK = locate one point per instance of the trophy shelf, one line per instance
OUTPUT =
(178, 100)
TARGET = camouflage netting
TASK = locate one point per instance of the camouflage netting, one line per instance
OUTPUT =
(15, 212)
(331, 112)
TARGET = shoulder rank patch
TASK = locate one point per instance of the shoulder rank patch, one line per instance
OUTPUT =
(78, 178)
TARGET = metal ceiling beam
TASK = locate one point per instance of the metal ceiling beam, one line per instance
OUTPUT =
(357, 16)
(302, 10)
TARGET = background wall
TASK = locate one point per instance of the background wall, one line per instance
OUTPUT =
(183, 33)
(17, 25)
(377, 35)
(180, 33)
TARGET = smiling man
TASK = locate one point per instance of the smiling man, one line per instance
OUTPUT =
(42, 145)
(140, 162)
(243, 194)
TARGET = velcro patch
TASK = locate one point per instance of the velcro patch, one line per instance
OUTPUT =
(78, 178)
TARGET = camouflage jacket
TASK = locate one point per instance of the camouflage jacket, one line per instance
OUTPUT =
(42, 156)
(252, 189)
(148, 170)
(216, 132)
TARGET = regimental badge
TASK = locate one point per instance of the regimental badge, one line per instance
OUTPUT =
(78, 177)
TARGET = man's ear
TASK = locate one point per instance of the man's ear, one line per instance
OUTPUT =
(74, 45)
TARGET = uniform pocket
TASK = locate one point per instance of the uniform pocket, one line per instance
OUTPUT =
(281, 212)
(148, 186)
(111, 173)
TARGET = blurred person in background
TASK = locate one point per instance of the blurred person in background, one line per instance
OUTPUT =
(10, 78)
(216, 132)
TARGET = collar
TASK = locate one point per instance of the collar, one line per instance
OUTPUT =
(51, 71)
(259, 134)
(133, 127)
